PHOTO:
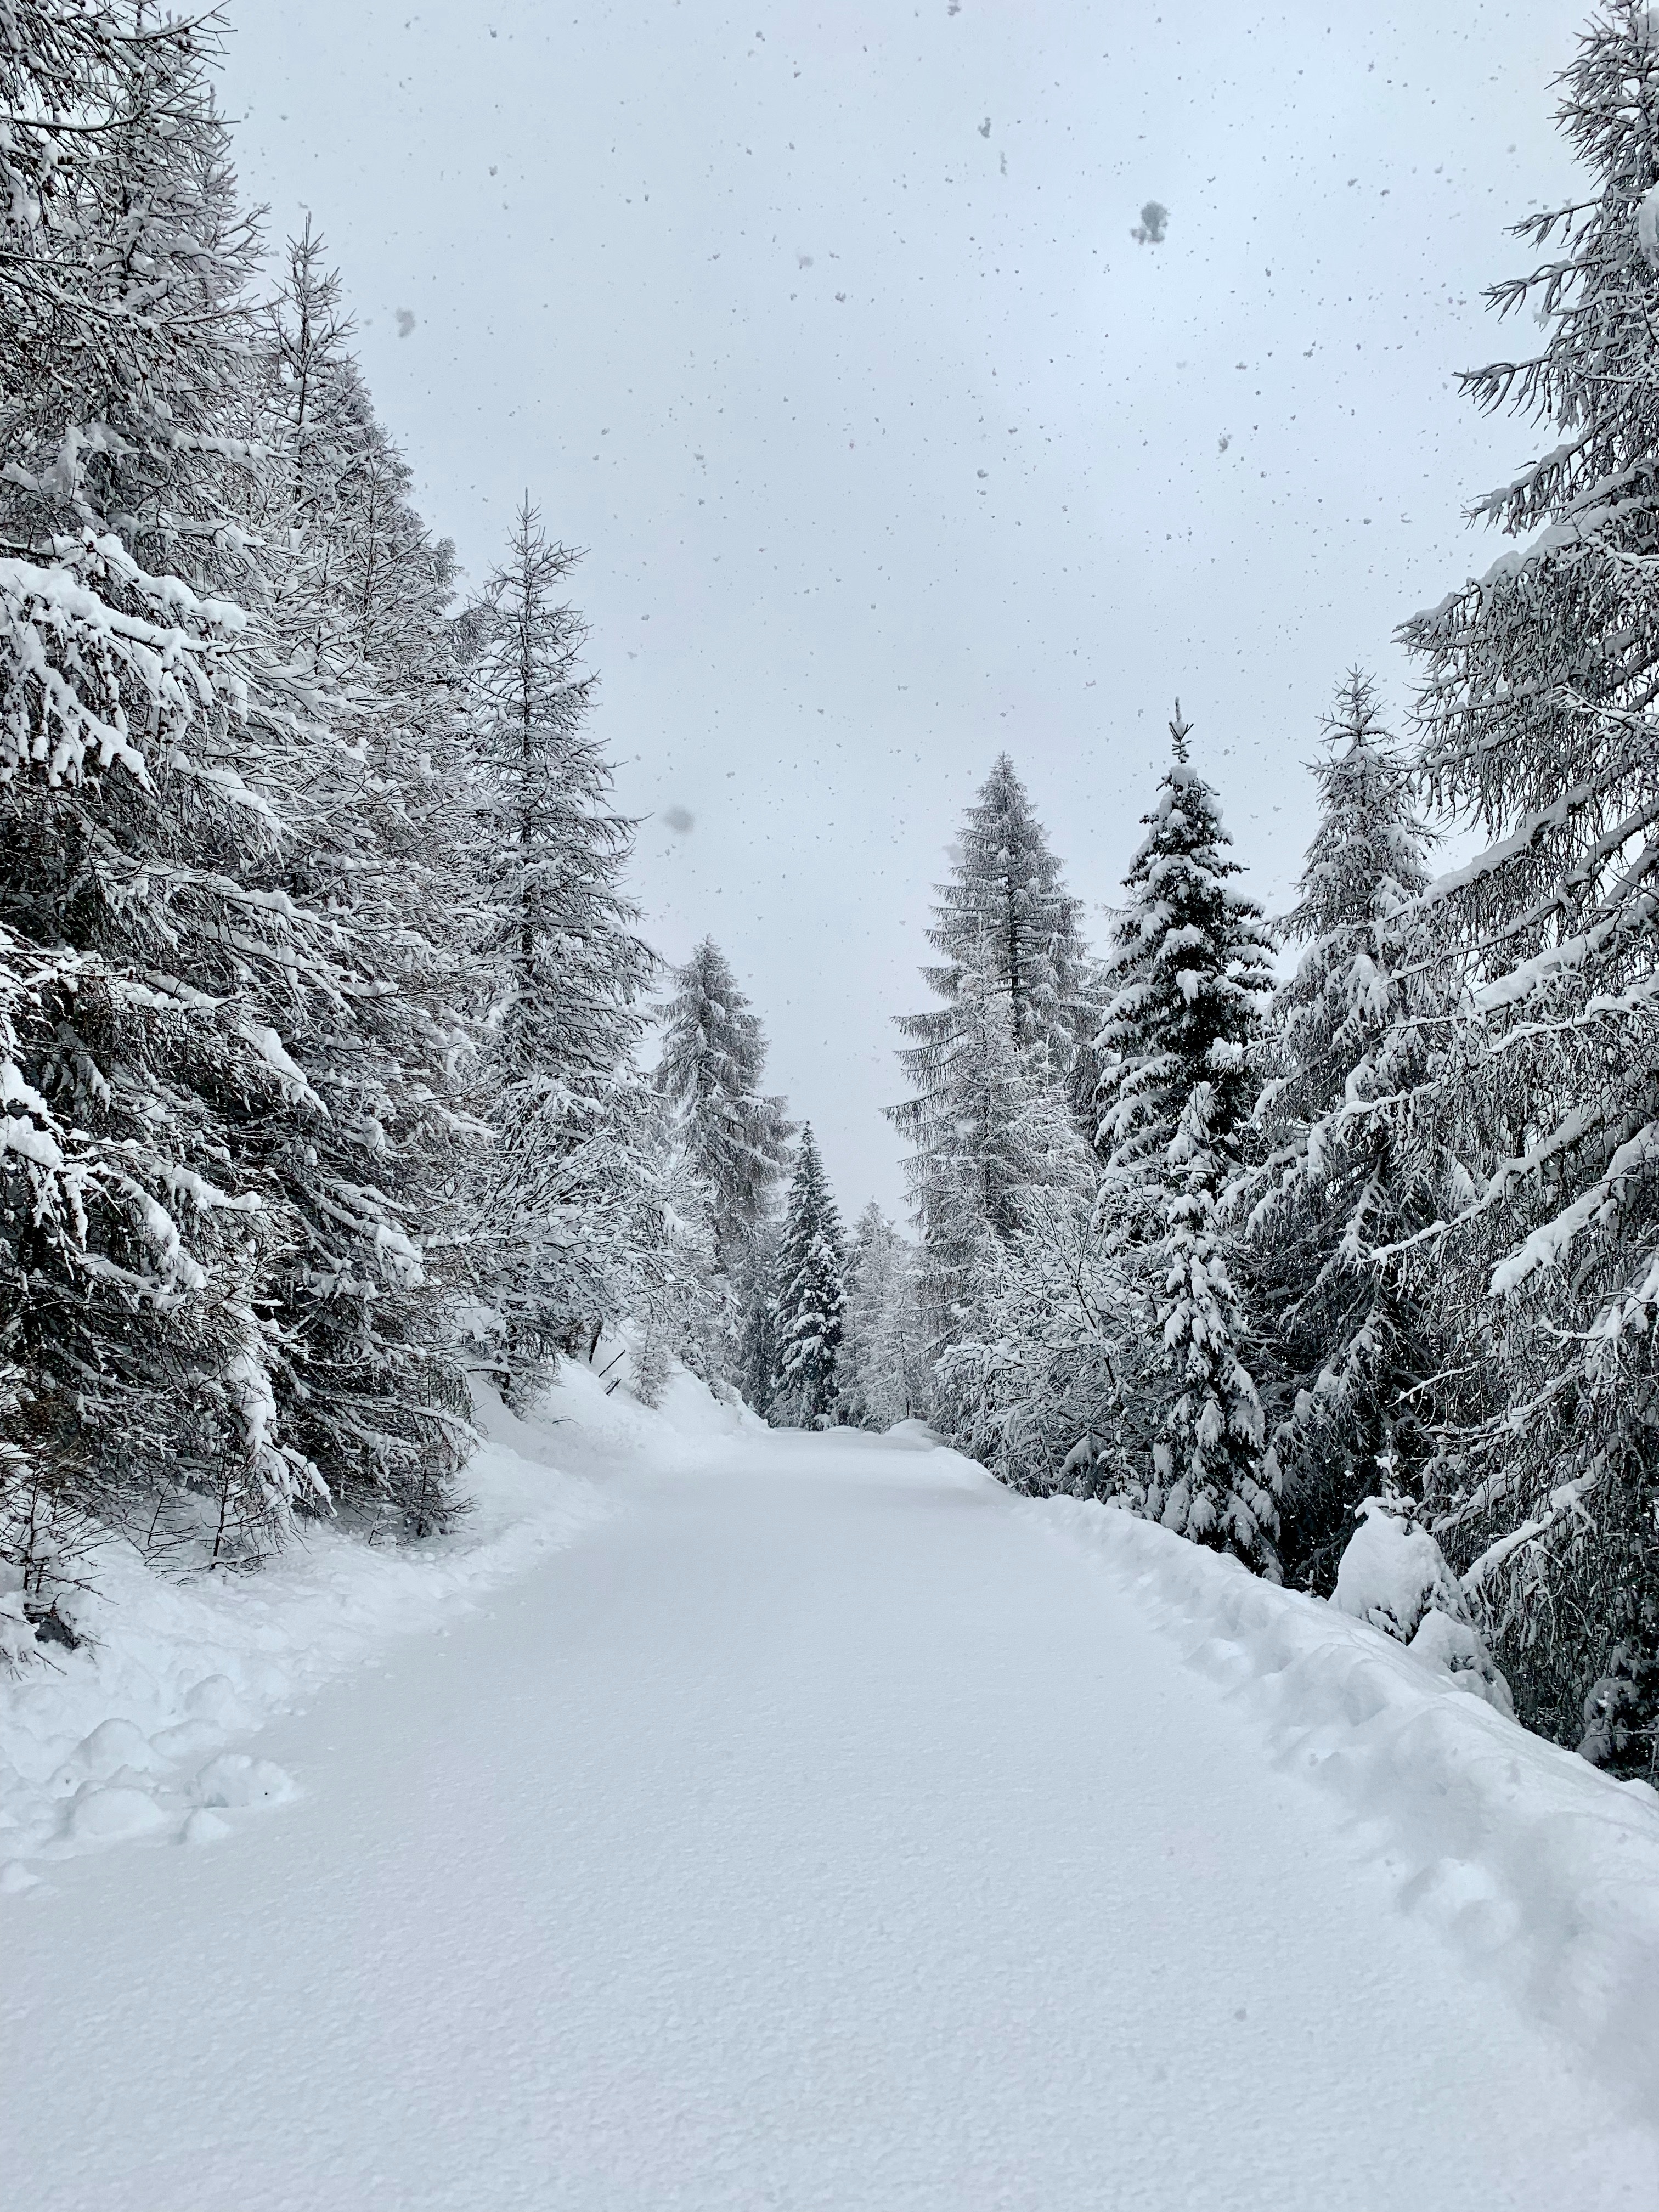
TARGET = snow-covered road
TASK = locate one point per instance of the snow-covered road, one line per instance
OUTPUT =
(817, 1831)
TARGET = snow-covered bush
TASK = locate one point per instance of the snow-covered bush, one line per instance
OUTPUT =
(1394, 1575)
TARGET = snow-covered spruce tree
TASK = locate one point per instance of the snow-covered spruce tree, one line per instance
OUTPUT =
(1187, 971)
(811, 1269)
(137, 846)
(1334, 1175)
(1189, 965)
(557, 1084)
(883, 1373)
(1539, 730)
(736, 1139)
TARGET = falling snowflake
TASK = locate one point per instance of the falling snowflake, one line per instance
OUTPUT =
(1154, 220)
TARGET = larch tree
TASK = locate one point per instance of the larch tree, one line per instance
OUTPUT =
(1006, 1048)
(354, 700)
(1538, 732)
(572, 1142)
(811, 1286)
(735, 1138)
(139, 848)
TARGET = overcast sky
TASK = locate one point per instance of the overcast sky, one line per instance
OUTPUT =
(823, 330)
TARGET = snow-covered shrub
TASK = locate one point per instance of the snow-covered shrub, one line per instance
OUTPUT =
(1395, 1576)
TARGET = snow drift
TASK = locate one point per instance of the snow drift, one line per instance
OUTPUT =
(1545, 1871)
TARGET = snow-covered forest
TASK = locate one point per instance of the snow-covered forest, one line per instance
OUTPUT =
(338, 1075)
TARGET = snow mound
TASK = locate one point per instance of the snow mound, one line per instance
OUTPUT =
(1545, 1871)
(1394, 1575)
(129, 1736)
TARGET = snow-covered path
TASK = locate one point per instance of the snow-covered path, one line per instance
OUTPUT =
(819, 1833)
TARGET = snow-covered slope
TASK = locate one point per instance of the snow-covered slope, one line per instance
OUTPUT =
(1543, 1869)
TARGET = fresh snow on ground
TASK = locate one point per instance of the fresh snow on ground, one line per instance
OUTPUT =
(126, 1736)
(820, 1827)
(1545, 1871)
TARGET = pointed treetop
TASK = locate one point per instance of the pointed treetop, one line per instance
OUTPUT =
(1180, 730)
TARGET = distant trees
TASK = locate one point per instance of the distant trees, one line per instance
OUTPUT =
(810, 1267)
(883, 1368)
(994, 1068)
(710, 1070)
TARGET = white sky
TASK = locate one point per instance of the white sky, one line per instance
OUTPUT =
(888, 446)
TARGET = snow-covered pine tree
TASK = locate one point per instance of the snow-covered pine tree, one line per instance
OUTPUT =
(558, 1085)
(883, 1370)
(1538, 728)
(136, 845)
(1333, 1177)
(812, 1270)
(1189, 966)
(735, 1139)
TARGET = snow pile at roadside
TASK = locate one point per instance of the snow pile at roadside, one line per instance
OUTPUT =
(128, 1736)
(1546, 1870)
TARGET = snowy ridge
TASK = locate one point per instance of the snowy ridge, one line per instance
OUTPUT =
(129, 1736)
(1546, 1871)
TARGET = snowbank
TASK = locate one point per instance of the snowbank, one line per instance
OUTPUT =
(127, 1736)
(1544, 1870)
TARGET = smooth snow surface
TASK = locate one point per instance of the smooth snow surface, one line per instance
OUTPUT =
(816, 1831)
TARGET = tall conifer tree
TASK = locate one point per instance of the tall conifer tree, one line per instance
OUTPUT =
(573, 1143)
(1337, 1177)
(1189, 965)
(1537, 717)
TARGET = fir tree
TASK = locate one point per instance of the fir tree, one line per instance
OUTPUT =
(811, 1268)
(1537, 727)
(1005, 906)
(1014, 1016)
(1003, 921)
(714, 1052)
(1210, 1478)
